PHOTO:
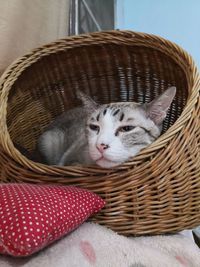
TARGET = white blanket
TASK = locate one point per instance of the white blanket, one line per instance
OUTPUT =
(94, 245)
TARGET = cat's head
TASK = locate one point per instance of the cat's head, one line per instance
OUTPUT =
(118, 131)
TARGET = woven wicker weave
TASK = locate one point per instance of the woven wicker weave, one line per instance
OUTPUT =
(156, 192)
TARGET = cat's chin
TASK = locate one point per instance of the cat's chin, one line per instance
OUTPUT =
(105, 163)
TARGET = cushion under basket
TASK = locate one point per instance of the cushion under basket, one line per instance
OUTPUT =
(158, 191)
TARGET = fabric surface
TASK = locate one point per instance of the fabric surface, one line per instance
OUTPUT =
(33, 216)
(25, 25)
(94, 245)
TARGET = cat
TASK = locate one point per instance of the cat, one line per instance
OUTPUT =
(106, 135)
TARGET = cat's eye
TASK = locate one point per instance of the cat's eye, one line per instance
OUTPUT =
(94, 127)
(126, 128)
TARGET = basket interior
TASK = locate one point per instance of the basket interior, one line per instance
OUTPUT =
(107, 72)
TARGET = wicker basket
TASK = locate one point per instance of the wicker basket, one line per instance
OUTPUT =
(156, 192)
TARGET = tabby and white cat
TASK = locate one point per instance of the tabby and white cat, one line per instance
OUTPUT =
(106, 135)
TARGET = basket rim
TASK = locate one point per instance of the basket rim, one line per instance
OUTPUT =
(13, 71)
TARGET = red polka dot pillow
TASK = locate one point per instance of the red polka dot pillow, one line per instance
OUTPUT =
(33, 216)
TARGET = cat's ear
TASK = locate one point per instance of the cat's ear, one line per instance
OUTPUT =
(89, 104)
(156, 110)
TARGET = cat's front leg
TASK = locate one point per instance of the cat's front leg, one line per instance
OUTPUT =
(66, 157)
(51, 145)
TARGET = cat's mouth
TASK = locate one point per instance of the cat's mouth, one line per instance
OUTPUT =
(103, 158)
(107, 163)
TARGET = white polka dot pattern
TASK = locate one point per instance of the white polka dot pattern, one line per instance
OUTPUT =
(33, 216)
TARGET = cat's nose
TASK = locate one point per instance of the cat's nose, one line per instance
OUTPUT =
(102, 147)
